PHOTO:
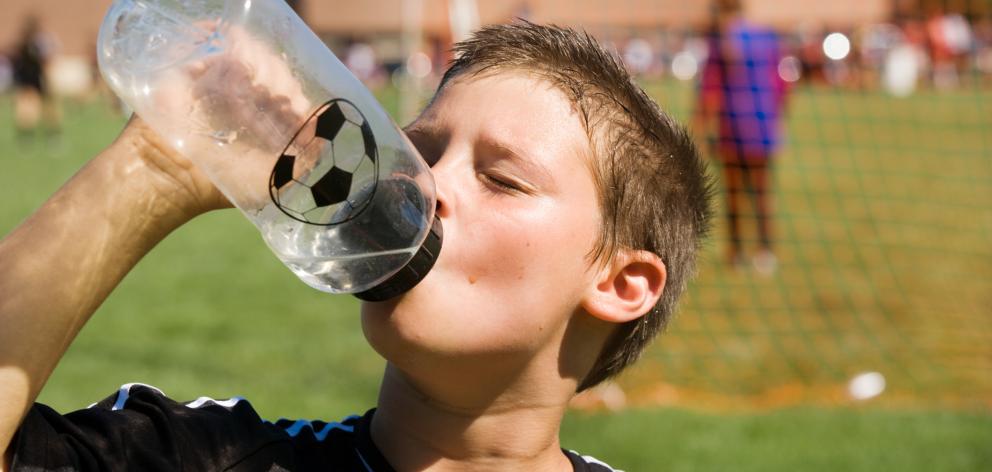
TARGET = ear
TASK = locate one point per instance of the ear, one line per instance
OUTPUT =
(626, 288)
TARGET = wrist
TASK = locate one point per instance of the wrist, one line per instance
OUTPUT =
(138, 195)
(156, 171)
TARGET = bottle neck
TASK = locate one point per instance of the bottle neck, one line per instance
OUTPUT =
(413, 272)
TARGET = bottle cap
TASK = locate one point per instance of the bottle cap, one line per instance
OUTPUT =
(413, 272)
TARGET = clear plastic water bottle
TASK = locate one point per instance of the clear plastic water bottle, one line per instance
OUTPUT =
(247, 92)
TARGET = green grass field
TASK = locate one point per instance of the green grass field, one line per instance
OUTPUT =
(885, 215)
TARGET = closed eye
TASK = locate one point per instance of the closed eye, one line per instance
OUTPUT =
(501, 184)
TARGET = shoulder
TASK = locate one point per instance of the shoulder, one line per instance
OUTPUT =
(581, 463)
(140, 428)
(234, 422)
(317, 430)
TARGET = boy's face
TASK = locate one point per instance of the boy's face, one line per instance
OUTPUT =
(519, 208)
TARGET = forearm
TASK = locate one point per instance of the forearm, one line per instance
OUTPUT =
(59, 265)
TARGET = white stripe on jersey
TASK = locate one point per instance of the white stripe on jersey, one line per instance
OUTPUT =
(207, 401)
(125, 392)
(593, 460)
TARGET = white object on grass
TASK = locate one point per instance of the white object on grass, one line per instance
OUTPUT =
(866, 385)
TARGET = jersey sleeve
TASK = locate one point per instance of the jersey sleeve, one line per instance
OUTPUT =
(139, 428)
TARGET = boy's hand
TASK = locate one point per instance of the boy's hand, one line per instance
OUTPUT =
(251, 85)
(233, 111)
(170, 173)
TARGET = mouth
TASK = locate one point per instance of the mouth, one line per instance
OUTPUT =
(382, 306)
(415, 270)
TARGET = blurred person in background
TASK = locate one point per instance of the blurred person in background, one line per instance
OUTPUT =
(740, 102)
(811, 54)
(638, 56)
(877, 43)
(32, 99)
(983, 48)
(360, 58)
(6, 73)
(950, 40)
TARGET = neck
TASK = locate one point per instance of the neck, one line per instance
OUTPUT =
(417, 430)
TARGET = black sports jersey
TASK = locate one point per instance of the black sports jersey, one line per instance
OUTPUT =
(139, 428)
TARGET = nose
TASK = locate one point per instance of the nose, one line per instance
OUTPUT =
(443, 206)
(444, 179)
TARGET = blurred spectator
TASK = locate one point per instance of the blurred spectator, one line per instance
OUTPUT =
(983, 46)
(905, 58)
(638, 56)
(950, 41)
(875, 44)
(361, 60)
(32, 99)
(6, 74)
(811, 54)
(743, 94)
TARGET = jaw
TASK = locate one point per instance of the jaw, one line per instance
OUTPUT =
(479, 363)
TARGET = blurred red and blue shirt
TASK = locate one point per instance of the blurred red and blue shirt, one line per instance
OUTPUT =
(742, 85)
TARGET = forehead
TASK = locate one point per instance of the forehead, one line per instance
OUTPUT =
(512, 107)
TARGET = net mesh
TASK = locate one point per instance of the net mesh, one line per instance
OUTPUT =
(880, 210)
(882, 220)
(880, 206)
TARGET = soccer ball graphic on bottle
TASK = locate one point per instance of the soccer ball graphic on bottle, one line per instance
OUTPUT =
(328, 173)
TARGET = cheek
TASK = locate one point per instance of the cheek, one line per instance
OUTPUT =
(527, 256)
(498, 250)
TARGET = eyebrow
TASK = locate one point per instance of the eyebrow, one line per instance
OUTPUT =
(520, 159)
(417, 127)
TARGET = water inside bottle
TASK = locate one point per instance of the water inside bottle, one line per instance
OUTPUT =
(372, 245)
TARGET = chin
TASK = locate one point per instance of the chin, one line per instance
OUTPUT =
(394, 327)
(377, 320)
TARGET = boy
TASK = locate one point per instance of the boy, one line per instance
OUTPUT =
(743, 96)
(572, 210)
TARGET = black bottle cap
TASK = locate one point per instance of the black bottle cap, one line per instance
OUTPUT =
(413, 272)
